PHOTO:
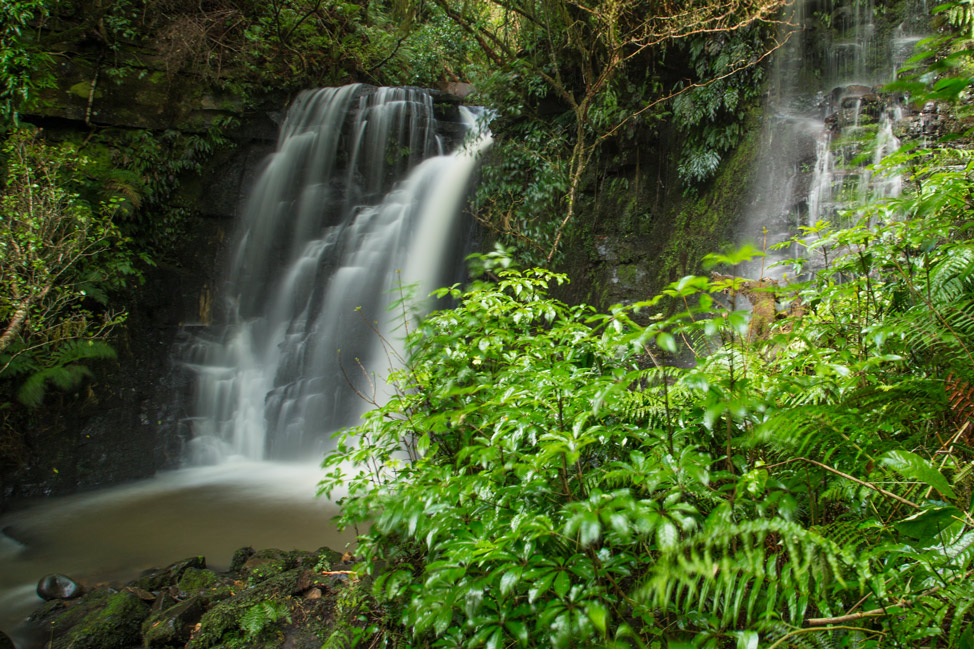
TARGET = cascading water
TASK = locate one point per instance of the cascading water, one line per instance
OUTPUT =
(358, 190)
(358, 199)
(826, 118)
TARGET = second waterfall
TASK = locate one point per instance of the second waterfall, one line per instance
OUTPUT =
(360, 197)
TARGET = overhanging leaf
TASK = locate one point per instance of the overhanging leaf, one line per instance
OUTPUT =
(912, 466)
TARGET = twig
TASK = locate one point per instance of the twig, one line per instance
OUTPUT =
(877, 612)
(812, 630)
(869, 485)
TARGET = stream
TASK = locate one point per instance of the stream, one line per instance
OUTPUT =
(112, 535)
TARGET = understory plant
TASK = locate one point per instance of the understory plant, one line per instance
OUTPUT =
(63, 259)
(736, 462)
(682, 470)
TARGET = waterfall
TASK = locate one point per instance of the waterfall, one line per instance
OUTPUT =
(827, 119)
(359, 198)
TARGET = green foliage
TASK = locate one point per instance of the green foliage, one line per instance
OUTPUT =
(63, 257)
(574, 82)
(260, 617)
(60, 368)
(678, 472)
(542, 478)
(711, 110)
(141, 172)
(23, 67)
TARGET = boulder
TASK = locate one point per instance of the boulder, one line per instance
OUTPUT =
(240, 558)
(116, 626)
(58, 587)
(173, 626)
(170, 575)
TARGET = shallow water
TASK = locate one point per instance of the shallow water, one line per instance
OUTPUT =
(113, 534)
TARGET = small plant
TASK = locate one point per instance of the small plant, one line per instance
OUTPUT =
(259, 618)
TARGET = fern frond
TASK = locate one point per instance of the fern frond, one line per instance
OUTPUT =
(15, 364)
(65, 377)
(83, 350)
(64, 370)
(752, 572)
(803, 429)
(952, 276)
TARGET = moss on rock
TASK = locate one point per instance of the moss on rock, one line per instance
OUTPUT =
(283, 598)
(194, 579)
(115, 626)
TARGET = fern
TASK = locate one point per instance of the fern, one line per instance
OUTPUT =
(952, 276)
(750, 573)
(959, 14)
(63, 371)
(260, 616)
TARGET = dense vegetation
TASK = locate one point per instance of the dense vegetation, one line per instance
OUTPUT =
(574, 83)
(681, 472)
(674, 471)
(569, 82)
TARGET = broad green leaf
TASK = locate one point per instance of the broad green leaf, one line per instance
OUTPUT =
(517, 629)
(562, 583)
(599, 616)
(667, 535)
(509, 579)
(928, 524)
(912, 466)
(666, 342)
(747, 640)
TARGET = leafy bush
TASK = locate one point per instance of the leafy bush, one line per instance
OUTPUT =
(549, 476)
(23, 68)
(62, 258)
(686, 472)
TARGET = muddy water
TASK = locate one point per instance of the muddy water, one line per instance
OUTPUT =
(114, 534)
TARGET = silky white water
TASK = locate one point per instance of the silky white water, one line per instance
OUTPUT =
(827, 121)
(358, 201)
(362, 195)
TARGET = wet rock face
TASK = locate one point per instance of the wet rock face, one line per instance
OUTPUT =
(57, 587)
(271, 599)
(849, 105)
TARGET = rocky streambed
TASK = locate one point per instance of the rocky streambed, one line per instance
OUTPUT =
(267, 598)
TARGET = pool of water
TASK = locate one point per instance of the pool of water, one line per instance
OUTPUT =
(111, 535)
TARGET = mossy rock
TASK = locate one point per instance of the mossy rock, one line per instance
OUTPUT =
(198, 608)
(173, 626)
(57, 617)
(170, 575)
(223, 621)
(116, 626)
(325, 558)
(264, 564)
(240, 558)
(196, 579)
